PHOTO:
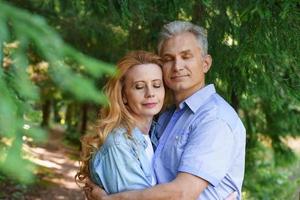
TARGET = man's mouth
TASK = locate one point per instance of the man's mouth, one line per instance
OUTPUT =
(178, 77)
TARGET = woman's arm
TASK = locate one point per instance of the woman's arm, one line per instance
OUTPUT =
(117, 169)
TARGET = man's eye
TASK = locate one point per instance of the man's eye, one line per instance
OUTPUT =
(187, 56)
(167, 59)
(157, 85)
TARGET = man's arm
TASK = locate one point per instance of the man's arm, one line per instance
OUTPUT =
(99, 194)
(184, 187)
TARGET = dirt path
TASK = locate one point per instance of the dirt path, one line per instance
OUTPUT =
(56, 170)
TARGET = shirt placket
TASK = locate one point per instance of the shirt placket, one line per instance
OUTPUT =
(167, 133)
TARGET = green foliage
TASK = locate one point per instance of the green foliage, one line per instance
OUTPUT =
(259, 184)
(264, 180)
(22, 32)
(11, 189)
(72, 136)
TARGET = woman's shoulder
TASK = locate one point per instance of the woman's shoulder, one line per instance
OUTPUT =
(115, 138)
(118, 140)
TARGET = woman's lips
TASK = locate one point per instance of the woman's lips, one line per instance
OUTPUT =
(149, 105)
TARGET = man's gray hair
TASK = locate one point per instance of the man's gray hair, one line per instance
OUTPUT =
(177, 27)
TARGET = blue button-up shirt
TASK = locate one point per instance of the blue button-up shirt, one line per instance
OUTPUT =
(121, 163)
(205, 137)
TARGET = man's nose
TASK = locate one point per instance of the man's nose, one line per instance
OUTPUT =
(178, 65)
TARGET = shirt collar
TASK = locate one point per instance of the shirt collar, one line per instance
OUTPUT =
(138, 135)
(198, 98)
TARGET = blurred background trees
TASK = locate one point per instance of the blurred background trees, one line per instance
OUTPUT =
(255, 47)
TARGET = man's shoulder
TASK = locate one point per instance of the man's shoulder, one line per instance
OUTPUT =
(217, 108)
(224, 109)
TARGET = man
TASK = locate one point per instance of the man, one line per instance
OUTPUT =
(201, 148)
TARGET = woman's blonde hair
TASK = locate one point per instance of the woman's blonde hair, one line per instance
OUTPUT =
(116, 113)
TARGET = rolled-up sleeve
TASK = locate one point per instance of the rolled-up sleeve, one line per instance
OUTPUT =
(208, 152)
(117, 170)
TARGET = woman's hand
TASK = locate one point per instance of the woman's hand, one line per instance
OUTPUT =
(93, 191)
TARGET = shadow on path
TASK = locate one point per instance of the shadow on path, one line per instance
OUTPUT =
(56, 169)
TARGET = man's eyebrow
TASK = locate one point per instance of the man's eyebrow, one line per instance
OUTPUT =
(181, 52)
(167, 54)
(185, 51)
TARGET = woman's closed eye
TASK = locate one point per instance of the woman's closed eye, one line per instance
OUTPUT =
(157, 85)
(139, 86)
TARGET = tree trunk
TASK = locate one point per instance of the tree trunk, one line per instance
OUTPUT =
(56, 109)
(84, 118)
(69, 113)
(198, 13)
(46, 109)
(235, 101)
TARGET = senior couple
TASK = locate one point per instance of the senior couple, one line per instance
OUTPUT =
(196, 148)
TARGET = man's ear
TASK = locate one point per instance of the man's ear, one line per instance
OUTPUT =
(207, 63)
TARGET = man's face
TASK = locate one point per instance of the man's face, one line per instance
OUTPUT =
(184, 66)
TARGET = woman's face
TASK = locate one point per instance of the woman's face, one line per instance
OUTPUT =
(144, 91)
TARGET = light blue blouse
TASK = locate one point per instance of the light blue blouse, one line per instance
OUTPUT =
(121, 164)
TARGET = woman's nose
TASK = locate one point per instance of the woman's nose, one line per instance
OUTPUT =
(149, 92)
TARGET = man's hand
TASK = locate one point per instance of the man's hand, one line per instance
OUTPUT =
(93, 191)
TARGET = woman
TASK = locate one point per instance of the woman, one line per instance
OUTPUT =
(119, 156)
